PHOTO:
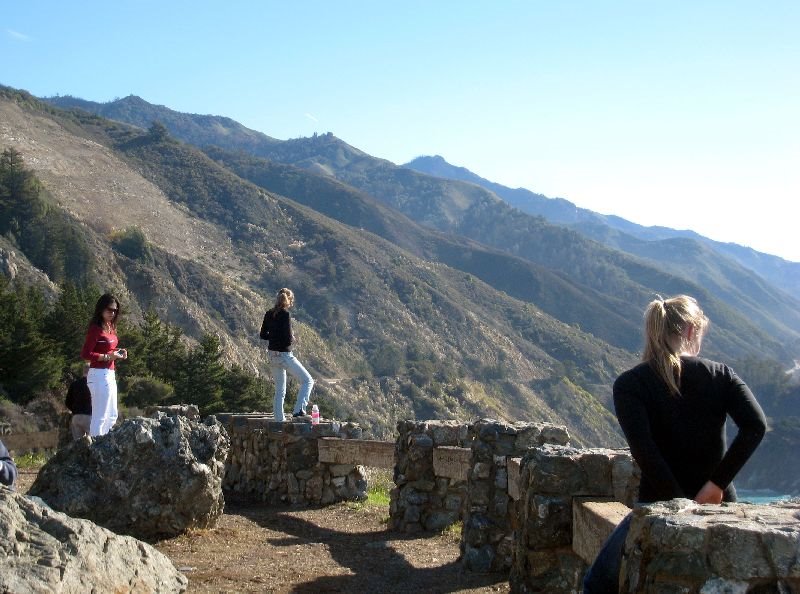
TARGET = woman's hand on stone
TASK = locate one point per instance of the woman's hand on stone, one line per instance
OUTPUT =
(710, 493)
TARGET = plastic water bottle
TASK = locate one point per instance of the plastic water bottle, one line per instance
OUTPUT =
(315, 415)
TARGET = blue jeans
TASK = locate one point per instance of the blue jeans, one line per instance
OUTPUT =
(281, 363)
(603, 576)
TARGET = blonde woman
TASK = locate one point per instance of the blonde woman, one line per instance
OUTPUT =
(672, 408)
(277, 329)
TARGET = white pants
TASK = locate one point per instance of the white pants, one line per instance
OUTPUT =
(103, 387)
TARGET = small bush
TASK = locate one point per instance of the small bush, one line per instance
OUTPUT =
(144, 391)
(31, 460)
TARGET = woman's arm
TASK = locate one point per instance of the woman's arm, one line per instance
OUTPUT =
(745, 411)
(635, 424)
(87, 352)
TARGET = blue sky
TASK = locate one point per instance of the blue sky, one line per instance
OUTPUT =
(683, 114)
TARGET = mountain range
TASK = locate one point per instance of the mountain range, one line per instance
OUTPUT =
(652, 242)
(421, 291)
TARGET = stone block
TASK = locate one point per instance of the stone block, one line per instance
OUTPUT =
(481, 470)
(549, 522)
(340, 469)
(445, 433)
(439, 520)
(555, 434)
(453, 502)
(480, 492)
(422, 485)
(476, 530)
(500, 505)
(452, 462)
(592, 523)
(501, 479)
(373, 453)
(412, 514)
(514, 478)
(314, 489)
(708, 547)
(625, 476)
(478, 559)
(596, 467)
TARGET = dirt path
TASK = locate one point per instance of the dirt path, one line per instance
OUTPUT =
(340, 548)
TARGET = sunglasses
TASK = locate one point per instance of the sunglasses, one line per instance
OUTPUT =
(112, 309)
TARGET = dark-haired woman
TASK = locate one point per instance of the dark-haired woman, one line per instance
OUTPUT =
(100, 349)
(672, 408)
(277, 329)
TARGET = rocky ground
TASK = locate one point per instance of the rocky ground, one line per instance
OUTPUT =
(339, 548)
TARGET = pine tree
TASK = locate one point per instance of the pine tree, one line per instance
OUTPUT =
(30, 362)
(68, 320)
(202, 376)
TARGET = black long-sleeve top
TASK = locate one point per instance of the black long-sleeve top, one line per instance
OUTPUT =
(8, 470)
(277, 329)
(679, 441)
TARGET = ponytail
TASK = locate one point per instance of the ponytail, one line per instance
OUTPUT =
(283, 301)
(665, 323)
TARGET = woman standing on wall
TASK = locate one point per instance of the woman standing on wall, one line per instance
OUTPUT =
(672, 408)
(100, 349)
(277, 329)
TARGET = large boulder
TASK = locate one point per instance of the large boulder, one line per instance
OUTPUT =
(46, 551)
(149, 478)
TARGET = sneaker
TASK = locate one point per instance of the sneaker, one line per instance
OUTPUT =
(299, 414)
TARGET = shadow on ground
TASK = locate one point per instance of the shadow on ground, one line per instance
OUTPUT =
(373, 559)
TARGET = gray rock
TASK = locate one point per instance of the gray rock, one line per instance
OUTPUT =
(479, 559)
(190, 411)
(149, 478)
(440, 520)
(47, 551)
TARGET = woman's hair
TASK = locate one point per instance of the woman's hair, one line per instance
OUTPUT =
(106, 300)
(665, 323)
(284, 300)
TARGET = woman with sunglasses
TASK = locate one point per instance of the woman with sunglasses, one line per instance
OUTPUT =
(100, 349)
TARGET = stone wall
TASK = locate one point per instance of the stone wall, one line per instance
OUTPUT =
(421, 500)
(487, 538)
(279, 461)
(550, 478)
(680, 546)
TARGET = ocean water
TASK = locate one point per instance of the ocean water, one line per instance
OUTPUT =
(760, 496)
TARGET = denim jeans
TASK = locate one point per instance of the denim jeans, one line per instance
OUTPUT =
(103, 388)
(603, 576)
(281, 363)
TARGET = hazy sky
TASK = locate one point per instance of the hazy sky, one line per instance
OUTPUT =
(684, 114)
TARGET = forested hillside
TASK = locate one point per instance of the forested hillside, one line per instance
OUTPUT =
(403, 336)
(615, 286)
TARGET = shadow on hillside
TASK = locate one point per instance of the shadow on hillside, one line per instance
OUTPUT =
(375, 565)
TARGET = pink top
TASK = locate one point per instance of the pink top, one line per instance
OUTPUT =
(97, 344)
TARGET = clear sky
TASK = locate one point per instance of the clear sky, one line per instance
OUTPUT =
(684, 114)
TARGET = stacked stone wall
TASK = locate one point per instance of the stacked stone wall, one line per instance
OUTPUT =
(550, 477)
(278, 462)
(421, 500)
(680, 546)
(487, 538)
